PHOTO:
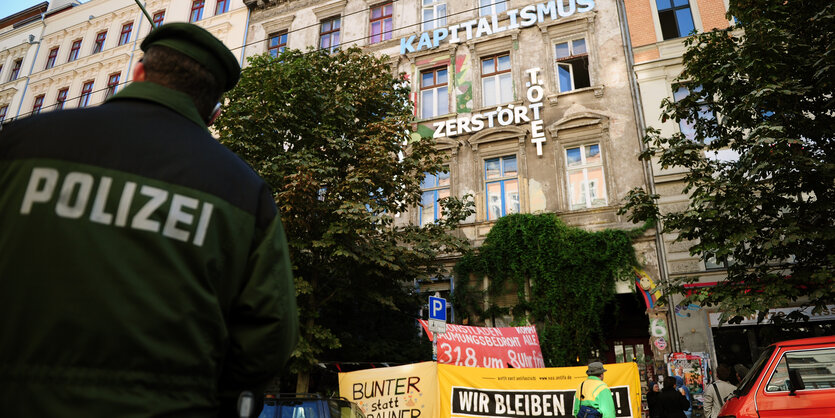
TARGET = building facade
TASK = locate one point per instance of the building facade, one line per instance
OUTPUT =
(62, 54)
(657, 30)
(530, 101)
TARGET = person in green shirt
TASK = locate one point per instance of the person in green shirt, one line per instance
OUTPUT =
(593, 398)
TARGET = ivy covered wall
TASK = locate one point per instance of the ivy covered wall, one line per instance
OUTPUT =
(563, 278)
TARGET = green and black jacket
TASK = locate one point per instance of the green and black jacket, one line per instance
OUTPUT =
(143, 268)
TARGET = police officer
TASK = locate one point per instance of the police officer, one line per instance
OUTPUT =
(593, 398)
(143, 268)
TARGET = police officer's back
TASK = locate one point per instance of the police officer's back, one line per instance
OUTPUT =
(143, 267)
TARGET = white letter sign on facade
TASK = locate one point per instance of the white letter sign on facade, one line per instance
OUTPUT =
(488, 25)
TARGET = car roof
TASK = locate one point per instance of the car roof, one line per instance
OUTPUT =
(830, 339)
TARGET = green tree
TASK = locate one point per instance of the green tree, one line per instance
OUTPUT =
(330, 134)
(761, 172)
(563, 277)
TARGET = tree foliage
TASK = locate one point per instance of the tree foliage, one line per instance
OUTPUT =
(761, 173)
(330, 134)
(563, 277)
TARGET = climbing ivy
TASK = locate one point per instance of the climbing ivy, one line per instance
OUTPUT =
(563, 278)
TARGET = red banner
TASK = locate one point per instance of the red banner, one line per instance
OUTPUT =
(507, 347)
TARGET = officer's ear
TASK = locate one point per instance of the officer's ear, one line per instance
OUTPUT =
(139, 71)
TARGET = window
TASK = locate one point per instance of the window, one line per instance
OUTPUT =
(434, 93)
(675, 18)
(491, 7)
(99, 44)
(586, 185)
(62, 98)
(222, 7)
(16, 69)
(496, 80)
(572, 65)
(196, 10)
(434, 14)
(86, 92)
(502, 186)
(50, 59)
(434, 187)
(112, 84)
(381, 23)
(329, 34)
(814, 366)
(159, 18)
(76, 46)
(688, 126)
(3, 110)
(277, 43)
(124, 37)
(36, 108)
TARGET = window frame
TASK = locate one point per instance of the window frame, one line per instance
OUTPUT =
(785, 357)
(37, 105)
(3, 111)
(61, 98)
(98, 44)
(112, 85)
(159, 17)
(436, 21)
(558, 61)
(497, 75)
(584, 167)
(705, 112)
(672, 10)
(279, 47)
(331, 32)
(86, 94)
(17, 64)
(435, 189)
(434, 87)
(502, 180)
(51, 58)
(492, 7)
(75, 49)
(383, 35)
(197, 7)
(124, 34)
(219, 10)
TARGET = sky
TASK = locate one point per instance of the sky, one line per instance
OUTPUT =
(10, 7)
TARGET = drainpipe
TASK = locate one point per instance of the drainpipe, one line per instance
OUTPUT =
(246, 33)
(31, 67)
(136, 39)
(648, 175)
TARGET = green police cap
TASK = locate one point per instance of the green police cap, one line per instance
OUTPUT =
(197, 43)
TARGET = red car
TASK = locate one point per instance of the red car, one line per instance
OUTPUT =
(793, 378)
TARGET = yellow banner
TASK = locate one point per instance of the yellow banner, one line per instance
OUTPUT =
(431, 390)
(409, 391)
(473, 392)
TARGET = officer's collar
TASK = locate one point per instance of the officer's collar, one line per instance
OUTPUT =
(172, 99)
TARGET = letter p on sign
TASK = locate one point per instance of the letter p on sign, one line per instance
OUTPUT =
(437, 308)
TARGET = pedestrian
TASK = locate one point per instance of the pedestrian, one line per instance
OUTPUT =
(740, 371)
(718, 392)
(593, 399)
(145, 271)
(654, 401)
(673, 401)
(681, 387)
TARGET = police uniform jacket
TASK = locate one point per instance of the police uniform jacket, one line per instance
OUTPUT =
(143, 268)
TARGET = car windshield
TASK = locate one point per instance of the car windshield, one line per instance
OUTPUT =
(290, 408)
(748, 381)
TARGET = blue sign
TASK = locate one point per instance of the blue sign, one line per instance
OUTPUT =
(437, 308)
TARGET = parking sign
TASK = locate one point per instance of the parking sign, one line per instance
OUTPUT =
(437, 308)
